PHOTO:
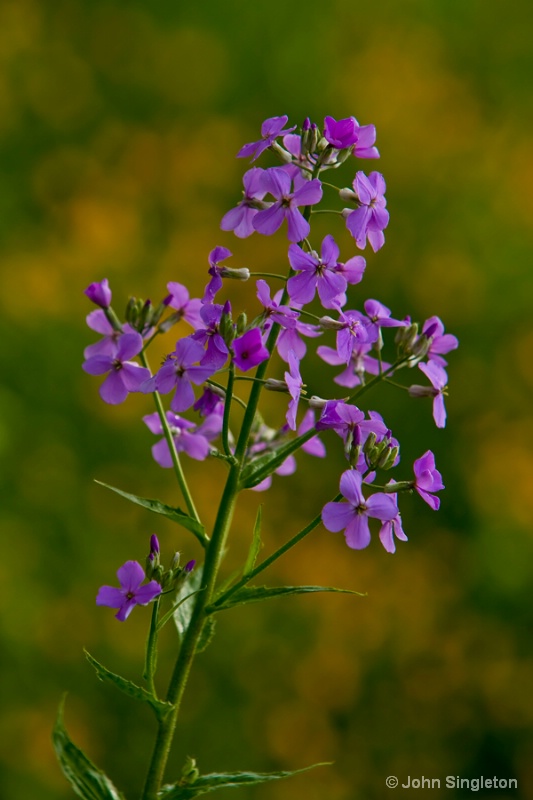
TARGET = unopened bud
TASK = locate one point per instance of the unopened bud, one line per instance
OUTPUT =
(281, 152)
(242, 321)
(330, 324)
(318, 403)
(421, 346)
(388, 460)
(189, 566)
(370, 443)
(309, 137)
(274, 385)
(240, 274)
(190, 771)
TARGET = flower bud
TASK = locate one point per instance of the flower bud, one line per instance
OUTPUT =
(240, 274)
(388, 458)
(190, 771)
(281, 152)
(99, 293)
(154, 544)
(189, 566)
(242, 321)
(318, 403)
(274, 385)
(330, 324)
(309, 137)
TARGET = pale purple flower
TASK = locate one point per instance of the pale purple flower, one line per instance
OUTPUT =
(125, 376)
(314, 446)
(371, 217)
(439, 380)
(209, 334)
(353, 332)
(99, 293)
(428, 479)
(239, 219)
(179, 372)
(270, 130)
(209, 402)
(439, 342)
(216, 256)
(188, 437)
(380, 317)
(273, 311)
(97, 321)
(131, 593)
(352, 517)
(317, 274)
(360, 363)
(186, 308)
(249, 350)
(392, 528)
(295, 385)
(278, 183)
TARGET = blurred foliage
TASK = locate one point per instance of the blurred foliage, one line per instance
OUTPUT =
(118, 128)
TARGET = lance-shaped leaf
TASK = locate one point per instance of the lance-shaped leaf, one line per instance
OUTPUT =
(88, 781)
(224, 780)
(131, 689)
(174, 514)
(256, 544)
(185, 598)
(254, 594)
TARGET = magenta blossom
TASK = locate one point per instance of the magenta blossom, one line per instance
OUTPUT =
(428, 479)
(294, 382)
(392, 528)
(99, 293)
(131, 593)
(353, 515)
(249, 350)
(186, 308)
(188, 437)
(216, 256)
(277, 182)
(319, 274)
(439, 380)
(270, 130)
(239, 219)
(344, 133)
(179, 372)
(371, 217)
(440, 343)
(125, 376)
(273, 311)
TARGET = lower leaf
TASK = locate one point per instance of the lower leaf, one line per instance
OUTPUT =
(86, 779)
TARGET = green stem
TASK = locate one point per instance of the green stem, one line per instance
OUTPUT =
(150, 662)
(270, 560)
(227, 409)
(180, 475)
(268, 275)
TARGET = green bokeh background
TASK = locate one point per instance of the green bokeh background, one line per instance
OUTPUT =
(118, 128)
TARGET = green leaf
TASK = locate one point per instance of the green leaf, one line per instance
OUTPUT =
(88, 781)
(131, 689)
(208, 631)
(183, 612)
(174, 514)
(256, 544)
(224, 780)
(253, 594)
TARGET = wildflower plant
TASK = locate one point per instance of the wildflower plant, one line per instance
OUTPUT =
(219, 363)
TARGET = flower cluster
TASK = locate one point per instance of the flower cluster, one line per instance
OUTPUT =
(202, 373)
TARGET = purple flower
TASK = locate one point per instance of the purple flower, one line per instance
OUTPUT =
(178, 373)
(270, 130)
(380, 317)
(428, 479)
(97, 321)
(249, 350)
(239, 219)
(392, 528)
(124, 376)
(99, 293)
(187, 309)
(316, 273)
(278, 183)
(295, 385)
(215, 284)
(217, 350)
(188, 438)
(342, 133)
(209, 402)
(314, 446)
(440, 342)
(439, 380)
(352, 331)
(353, 515)
(131, 593)
(371, 217)
(359, 364)
(283, 315)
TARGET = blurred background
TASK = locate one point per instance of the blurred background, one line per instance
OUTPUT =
(119, 124)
